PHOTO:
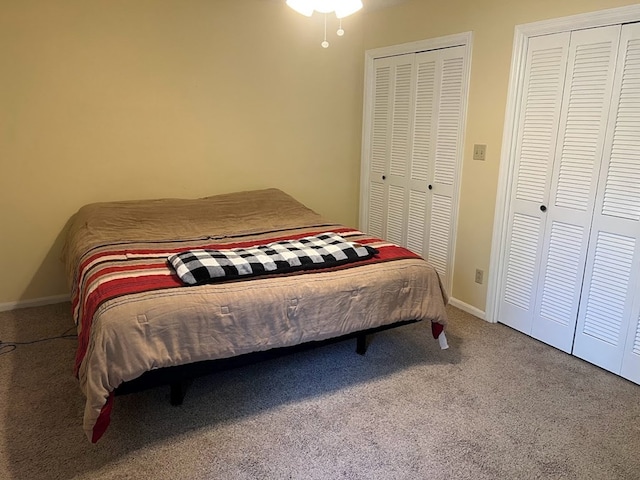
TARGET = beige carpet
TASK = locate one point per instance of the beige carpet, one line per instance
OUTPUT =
(496, 405)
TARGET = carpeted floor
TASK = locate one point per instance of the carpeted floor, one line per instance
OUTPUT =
(496, 405)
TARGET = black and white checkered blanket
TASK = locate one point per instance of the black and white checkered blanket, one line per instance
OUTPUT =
(319, 251)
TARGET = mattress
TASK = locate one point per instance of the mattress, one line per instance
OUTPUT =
(133, 314)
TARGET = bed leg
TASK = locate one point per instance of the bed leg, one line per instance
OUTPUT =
(178, 391)
(361, 344)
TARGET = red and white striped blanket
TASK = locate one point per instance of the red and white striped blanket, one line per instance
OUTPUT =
(117, 270)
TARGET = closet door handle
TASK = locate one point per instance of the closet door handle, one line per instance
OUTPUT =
(384, 177)
(543, 208)
(430, 187)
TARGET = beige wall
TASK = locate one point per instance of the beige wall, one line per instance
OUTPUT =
(122, 99)
(492, 23)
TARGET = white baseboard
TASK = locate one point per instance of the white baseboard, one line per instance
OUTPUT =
(36, 302)
(465, 307)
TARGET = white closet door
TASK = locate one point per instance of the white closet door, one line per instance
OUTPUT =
(608, 319)
(439, 241)
(416, 134)
(379, 149)
(390, 143)
(423, 149)
(537, 135)
(399, 161)
(435, 154)
(576, 166)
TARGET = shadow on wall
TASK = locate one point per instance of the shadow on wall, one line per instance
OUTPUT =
(42, 421)
(50, 276)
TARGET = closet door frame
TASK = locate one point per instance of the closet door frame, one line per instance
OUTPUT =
(456, 40)
(507, 157)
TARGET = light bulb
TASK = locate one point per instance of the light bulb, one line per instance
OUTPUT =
(325, 44)
(340, 32)
(347, 7)
(325, 6)
(304, 7)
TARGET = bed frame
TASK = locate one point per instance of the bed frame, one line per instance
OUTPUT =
(178, 378)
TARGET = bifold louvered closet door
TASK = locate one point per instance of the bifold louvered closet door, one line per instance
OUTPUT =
(608, 331)
(573, 243)
(415, 136)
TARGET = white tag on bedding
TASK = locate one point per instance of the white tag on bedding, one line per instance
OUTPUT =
(442, 340)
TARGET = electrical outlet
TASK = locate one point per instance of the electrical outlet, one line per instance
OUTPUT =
(479, 152)
(479, 276)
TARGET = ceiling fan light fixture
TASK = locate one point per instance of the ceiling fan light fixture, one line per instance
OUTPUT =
(304, 7)
(324, 6)
(347, 7)
(342, 8)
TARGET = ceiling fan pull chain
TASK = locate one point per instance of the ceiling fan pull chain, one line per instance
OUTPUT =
(325, 44)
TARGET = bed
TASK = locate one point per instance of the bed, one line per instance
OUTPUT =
(135, 314)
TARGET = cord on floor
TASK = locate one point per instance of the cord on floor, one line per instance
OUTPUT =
(8, 347)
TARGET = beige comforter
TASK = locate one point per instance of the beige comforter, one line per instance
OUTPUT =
(126, 333)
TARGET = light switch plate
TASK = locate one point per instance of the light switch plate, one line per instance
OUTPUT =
(479, 152)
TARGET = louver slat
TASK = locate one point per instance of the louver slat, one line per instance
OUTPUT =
(636, 342)
(563, 273)
(423, 123)
(449, 118)
(586, 113)
(376, 210)
(521, 260)
(440, 235)
(540, 122)
(608, 287)
(417, 220)
(395, 215)
(400, 129)
(380, 120)
(622, 190)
